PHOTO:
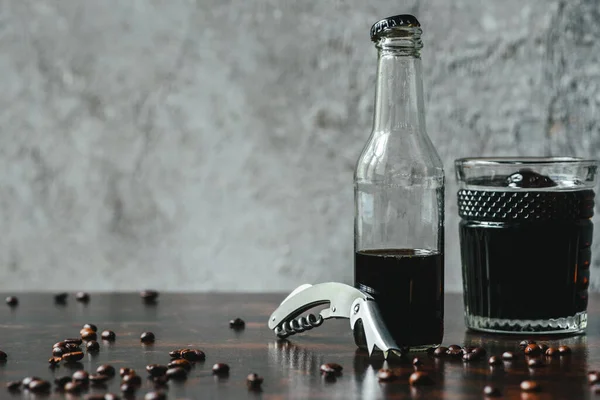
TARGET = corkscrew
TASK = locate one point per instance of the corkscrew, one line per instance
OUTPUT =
(343, 301)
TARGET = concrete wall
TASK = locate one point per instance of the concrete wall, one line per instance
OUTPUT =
(210, 144)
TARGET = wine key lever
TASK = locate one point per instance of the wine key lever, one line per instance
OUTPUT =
(343, 301)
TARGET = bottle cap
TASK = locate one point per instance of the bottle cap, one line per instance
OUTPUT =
(390, 23)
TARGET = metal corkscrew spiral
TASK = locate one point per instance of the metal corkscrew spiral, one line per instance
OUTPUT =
(298, 325)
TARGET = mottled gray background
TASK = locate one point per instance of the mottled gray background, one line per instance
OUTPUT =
(210, 144)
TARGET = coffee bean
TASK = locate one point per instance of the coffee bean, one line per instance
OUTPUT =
(81, 376)
(176, 353)
(158, 395)
(493, 360)
(254, 381)
(533, 350)
(109, 336)
(106, 369)
(593, 377)
(156, 369)
(61, 298)
(71, 347)
(149, 296)
(467, 349)
(160, 382)
(192, 355)
(98, 378)
(508, 356)
(59, 344)
(329, 377)
(126, 371)
(82, 297)
(543, 347)
(552, 352)
(177, 373)
(59, 351)
(480, 351)
(132, 379)
(454, 353)
(385, 375)
(222, 369)
(329, 367)
(73, 387)
(128, 389)
(13, 386)
(420, 378)
(564, 350)
(491, 391)
(237, 323)
(472, 357)
(88, 334)
(71, 341)
(180, 362)
(535, 363)
(417, 361)
(454, 347)
(147, 337)
(524, 343)
(62, 381)
(110, 396)
(54, 361)
(3, 356)
(440, 351)
(92, 346)
(530, 386)
(12, 301)
(39, 386)
(72, 357)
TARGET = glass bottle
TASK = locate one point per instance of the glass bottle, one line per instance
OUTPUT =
(399, 196)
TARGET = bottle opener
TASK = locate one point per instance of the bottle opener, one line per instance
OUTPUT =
(343, 301)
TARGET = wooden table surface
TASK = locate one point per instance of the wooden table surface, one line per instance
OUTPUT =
(290, 367)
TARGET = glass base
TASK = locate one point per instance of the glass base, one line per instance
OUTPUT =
(568, 325)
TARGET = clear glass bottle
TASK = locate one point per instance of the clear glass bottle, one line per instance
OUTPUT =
(399, 196)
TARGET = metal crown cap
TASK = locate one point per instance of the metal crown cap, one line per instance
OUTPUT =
(396, 21)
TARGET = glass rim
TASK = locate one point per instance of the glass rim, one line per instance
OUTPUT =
(499, 161)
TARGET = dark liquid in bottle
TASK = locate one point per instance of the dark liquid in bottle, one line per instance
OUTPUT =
(408, 285)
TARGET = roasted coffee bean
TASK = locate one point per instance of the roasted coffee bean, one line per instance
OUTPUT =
(12, 301)
(149, 296)
(54, 361)
(59, 351)
(157, 395)
(525, 343)
(593, 377)
(543, 347)
(335, 367)
(467, 349)
(3, 356)
(472, 357)
(98, 378)
(81, 376)
(128, 389)
(192, 355)
(420, 378)
(71, 341)
(493, 360)
(73, 387)
(59, 344)
(106, 369)
(126, 371)
(147, 337)
(177, 373)
(564, 350)
(536, 363)
(90, 326)
(82, 297)
(180, 362)
(132, 379)
(72, 357)
(254, 381)
(88, 334)
(222, 369)
(39, 386)
(508, 356)
(533, 350)
(109, 336)
(480, 351)
(13, 386)
(110, 396)
(237, 323)
(156, 369)
(454, 353)
(552, 352)
(62, 381)
(71, 347)
(530, 386)
(491, 391)
(385, 375)
(160, 381)
(92, 346)
(454, 347)
(417, 361)
(176, 353)
(61, 298)
(440, 351)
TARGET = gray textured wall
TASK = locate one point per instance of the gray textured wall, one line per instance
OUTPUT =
(210, 144)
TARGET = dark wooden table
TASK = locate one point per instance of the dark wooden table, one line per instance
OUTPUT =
(290, 368)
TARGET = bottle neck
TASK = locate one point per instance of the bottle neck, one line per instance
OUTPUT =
(399, 102)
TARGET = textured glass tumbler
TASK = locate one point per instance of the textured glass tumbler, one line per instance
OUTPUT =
(525, 241)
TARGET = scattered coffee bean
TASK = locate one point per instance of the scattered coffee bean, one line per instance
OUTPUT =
(126, 371)
(385, 375)
(417, 361)
(467, 349)
(156, 369)
(454, 353)
(536, 363)
(329, 367)
(71, 347)
(420, 378)
(82, 297)
(180, 362)
(472, 357)
(176, 353)
(110, 396)
(593, 377)
(147, 337)
(81, 376)
(132, 379)
(192, 355)
(149, 296)
(98, 378)
(237, 323)
(90, 326)
(92, 346)
(543, 347)
(107, 370)
(39, 386)
(27, 380)
(59, 344)
(71, 341)
(222, 369)
(178, 373)
(109, 336)
(59, 351)
(160, 382)
(454, 347)
(157, 395)
(88, 334)
(54, 361)
(491, 391)
(480, 351)
(62, 381)
(493, 360)
(564, 350)
(533, 350)
(73, 387)
(440, 351)
(254, 381)
(530, 386)
(128, 389)
(552, 352)
(72, 357)
(13, 386)
(61, 298)
(508, 355)
(12, 301)
(3, 356)
(525, 343)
